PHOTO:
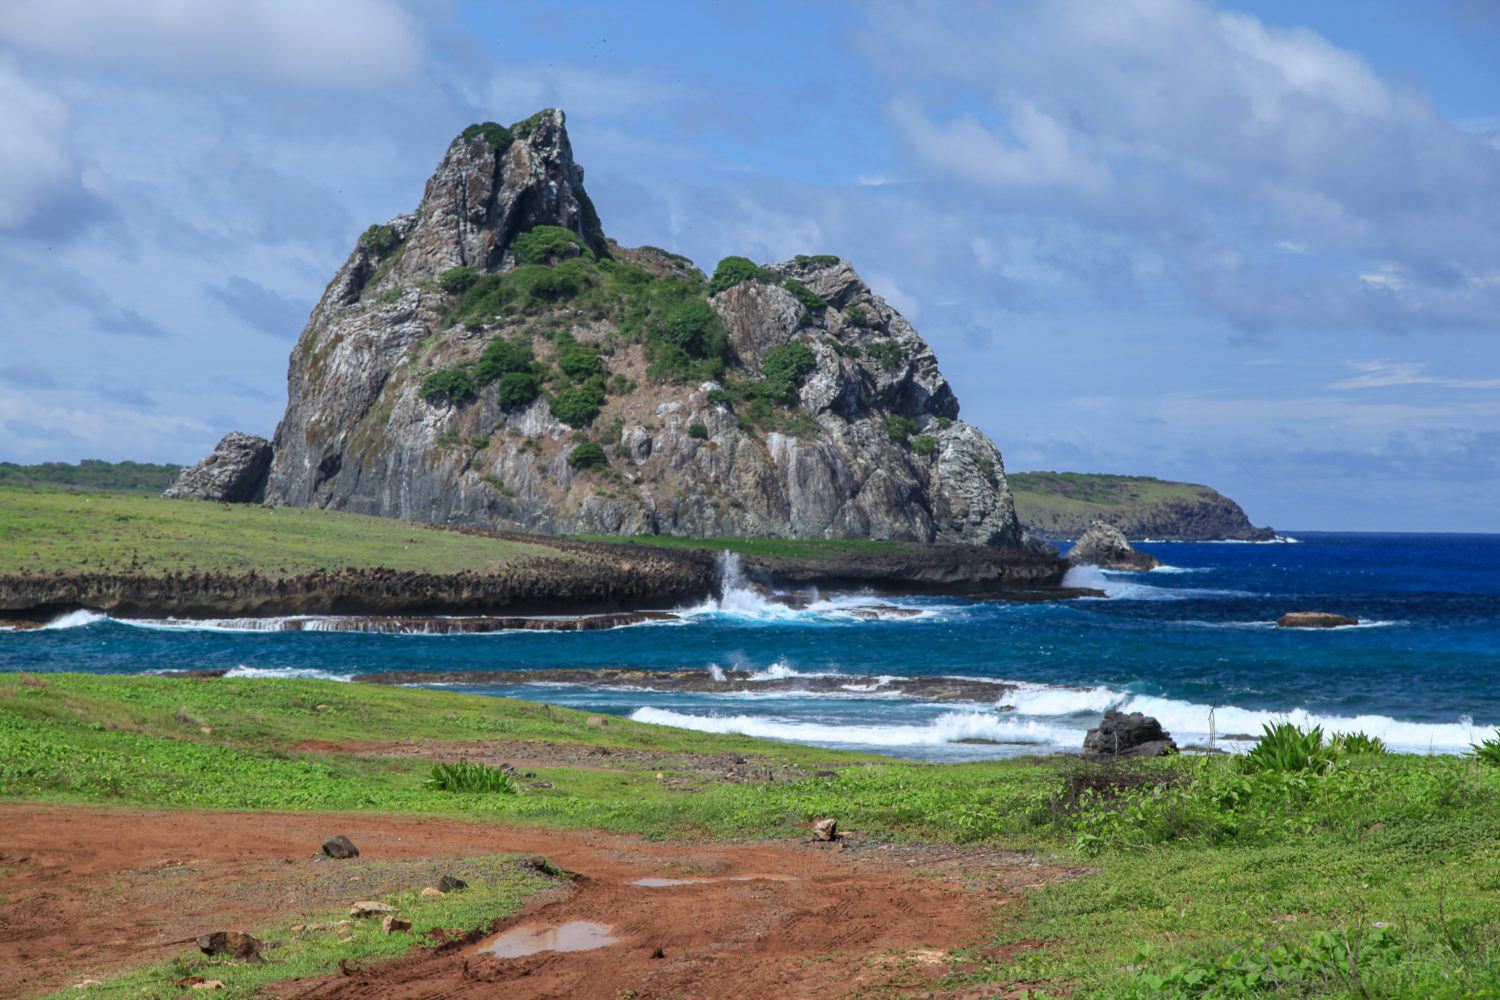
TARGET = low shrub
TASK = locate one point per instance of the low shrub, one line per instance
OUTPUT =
(699, 431)
(887, 353)
(497, 136)
(457, 280)
(809, 298)
(578, 405)
(857, 316)
(379, 241)
(718, 397)
(693, 326)
(578, 362)
(899, 428)
(924, 444)
(452, 384)
(588, 455)
(817, 259)
(517, 389)
(1286, 748)
(501, 357)
(466, 776)
(733, 270)
(547, 244)
(786, 368)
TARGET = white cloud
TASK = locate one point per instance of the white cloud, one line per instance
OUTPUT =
(1381, 374)
(341, 44)
(37, 165)
(1271, 172)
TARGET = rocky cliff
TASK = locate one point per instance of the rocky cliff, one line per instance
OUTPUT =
(492, 359)
(1060, 506)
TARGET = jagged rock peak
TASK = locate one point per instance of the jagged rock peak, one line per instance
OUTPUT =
(493, 184)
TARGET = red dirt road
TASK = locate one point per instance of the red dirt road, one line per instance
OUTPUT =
(87, 892)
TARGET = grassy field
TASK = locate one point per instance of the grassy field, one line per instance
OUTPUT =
(42, 530)
(1344, 872)
(788, 548)
(93, 474)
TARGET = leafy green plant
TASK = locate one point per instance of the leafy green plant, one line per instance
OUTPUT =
(501, 357)
(809, 298)
(497, 136)
(1486, 751)
(693, 326)
(1356, 744)
(497, 484)
(517, 389)
(733, 270)
(452, 384)
(546, 244)
(899, 428)
(857, 316)
(578, 361)
(379, 241)
(1286, 748)
(720, 397)
(467, 776)
(817, 260)
(588, 455)
(699, 431)
(786, 367)
(887, 353)
(457, 280)
(924, 444)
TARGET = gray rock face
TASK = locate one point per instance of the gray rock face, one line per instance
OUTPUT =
(1104, 545)
(1134, 735)
(357, 435)
(234, 473)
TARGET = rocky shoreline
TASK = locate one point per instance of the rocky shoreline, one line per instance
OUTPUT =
(587, 578)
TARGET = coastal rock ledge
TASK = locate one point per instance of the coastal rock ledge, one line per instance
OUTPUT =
(494, 360)
(1314, 619)
(1105, 546)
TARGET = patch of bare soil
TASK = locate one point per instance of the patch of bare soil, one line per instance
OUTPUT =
(86, 892)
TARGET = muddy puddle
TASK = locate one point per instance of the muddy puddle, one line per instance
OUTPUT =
(654, 883)
(529, 939)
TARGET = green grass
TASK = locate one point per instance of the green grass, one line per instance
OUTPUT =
(1369, 875)
(791, 548)
(93, 474)
(46, 530)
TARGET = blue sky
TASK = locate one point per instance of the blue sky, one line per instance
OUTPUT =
(1249, 245)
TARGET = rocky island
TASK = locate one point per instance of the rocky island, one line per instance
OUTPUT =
(494, 360)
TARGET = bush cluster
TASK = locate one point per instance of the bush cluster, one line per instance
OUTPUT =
(588, 455)
(452, 384)
(899, 428)
(379, 241)
(497, 136)
(733, 270)
(887, 353)
(786, 367)
(809, 298)
(547, 244)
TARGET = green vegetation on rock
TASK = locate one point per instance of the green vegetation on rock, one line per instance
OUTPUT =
(546, 244)
(733, 270)
(453, 385)
(497, 136)
(379, 241)
(589, 455)
(899, 428)
(1061, 505)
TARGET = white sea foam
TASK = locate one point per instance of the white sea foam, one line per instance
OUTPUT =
(1127, 585)
(1042, 699)
(287, 673)
(951, 727)
(740, 599)
(76, 619)
(716, 672)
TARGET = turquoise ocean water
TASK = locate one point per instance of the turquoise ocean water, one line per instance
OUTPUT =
(1191, 640)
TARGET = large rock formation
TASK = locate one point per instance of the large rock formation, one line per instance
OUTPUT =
(234, 473)
(1104, 545)
(1060, 506)
(786, 400)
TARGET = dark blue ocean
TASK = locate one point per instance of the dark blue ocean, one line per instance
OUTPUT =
(1422, 670)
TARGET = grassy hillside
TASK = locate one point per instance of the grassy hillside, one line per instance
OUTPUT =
(1060, 505)
(1313, 869)
(92, 474)
(43, 530)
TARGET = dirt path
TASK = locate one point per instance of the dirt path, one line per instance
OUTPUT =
(86, 892)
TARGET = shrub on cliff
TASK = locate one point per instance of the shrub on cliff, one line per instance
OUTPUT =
(457, 280)
(924, 444)
(452, 384)
(497, 136)
(786, 367)
(809, 298)
(887, 353)
(517, 389)
(587, 456)
(733, 270)
(578, 405)
(577, 361)
(379, 240)
(899, 428)
(548, 243)
(501, 357)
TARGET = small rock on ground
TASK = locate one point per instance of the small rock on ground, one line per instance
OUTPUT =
(340, 847)
(370, 908)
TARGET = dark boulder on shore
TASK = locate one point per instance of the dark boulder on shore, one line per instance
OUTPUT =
(1314, 619)
(234, 473)
(1105, 545)
(1134, 735)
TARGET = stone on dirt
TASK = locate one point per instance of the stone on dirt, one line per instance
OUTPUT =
(236, 944)
(370, 908)
(826, 830)
(340, 847)
(395, 925)
(596, 720)
(431, 893)
(450, 883)
(1134, 735)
